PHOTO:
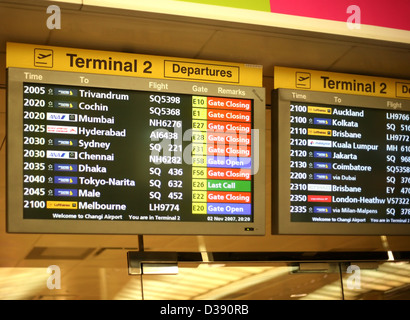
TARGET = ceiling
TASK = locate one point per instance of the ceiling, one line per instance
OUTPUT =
(95, 266)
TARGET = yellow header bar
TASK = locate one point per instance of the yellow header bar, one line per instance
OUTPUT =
(292, 78)
(128, 64)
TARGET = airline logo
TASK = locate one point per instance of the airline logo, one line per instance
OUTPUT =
(62, 129)
(322, 121)
(322, 209)
(322, 154)
(319, 132)
(65, 92)
(66, 180)
(316, 198)
(65, 105)
(319, 187)
(320, 143)
(65, 142)
(62, 117)
(52, 154)
(62, 205)
(65, 192)
(322, 176)
(66, 167)
(322, 165)
(322, 110)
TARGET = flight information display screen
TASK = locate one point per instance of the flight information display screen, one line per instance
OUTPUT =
(348, 163)
(134, 156)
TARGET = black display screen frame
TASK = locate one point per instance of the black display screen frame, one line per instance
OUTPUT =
(16, 223)
(281, 161)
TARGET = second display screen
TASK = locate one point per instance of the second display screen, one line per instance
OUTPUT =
(349, 164)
